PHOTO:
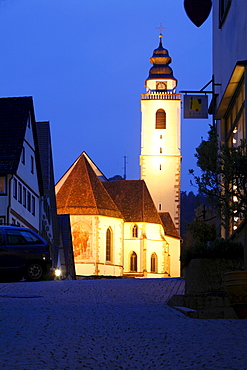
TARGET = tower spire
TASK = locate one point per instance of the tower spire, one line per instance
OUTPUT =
(160, 35)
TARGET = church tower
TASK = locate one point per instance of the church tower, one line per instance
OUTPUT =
(160, 158)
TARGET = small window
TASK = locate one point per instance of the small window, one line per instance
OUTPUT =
(160, 207)
(109, 244)
(15, 189)
(33, 205)
(160, 136)
(154, 262)
(32, 164)
(133, 262)
(2, 185)
(160, 119)
(23, 155)
(19, 192)
(160, 167)
(224, 6)
(24, 198)
(135, 231)
(161, 150)
(29, 201)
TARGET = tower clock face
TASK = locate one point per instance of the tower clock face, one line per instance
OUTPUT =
(161, 86)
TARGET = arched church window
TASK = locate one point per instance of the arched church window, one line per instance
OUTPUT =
(154, 262)
(109, 244)
(133, 262)
(135, 231)
(160, 119)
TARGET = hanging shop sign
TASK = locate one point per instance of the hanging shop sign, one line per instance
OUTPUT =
(195, 106)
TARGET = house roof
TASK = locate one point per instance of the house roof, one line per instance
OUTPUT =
(169, 226)
(45, 152)
(134, 200)
(14, 113)
(80, 192)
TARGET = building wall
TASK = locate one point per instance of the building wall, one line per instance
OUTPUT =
(160, 155)
(174, 252)
(89, 245)
(229, 42)
(150, 239)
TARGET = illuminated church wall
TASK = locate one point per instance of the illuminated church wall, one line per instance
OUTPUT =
(89, 245)
(149, 240)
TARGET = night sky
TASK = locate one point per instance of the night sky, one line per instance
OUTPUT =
(85, 63)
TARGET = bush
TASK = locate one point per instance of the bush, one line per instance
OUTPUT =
(219, 248)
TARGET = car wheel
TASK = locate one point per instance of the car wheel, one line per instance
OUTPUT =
(34, 272)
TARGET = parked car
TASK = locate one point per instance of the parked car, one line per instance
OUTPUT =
(23, 253)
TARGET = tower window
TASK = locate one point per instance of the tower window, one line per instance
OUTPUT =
(160, 136)
(133, 262)
(160, 207)
(160, 167)
(109, 244)
(160, 119)
(160, 150)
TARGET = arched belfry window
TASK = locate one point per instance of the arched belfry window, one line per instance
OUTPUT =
(135, 231)
(133, 262)
(160, 119)
(109, 244)
(154, 263)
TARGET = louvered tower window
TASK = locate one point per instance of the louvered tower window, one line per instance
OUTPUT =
(160, 119)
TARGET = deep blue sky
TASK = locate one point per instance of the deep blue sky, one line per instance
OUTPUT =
(85, 63)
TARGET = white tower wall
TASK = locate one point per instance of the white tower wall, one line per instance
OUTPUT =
(160, 158)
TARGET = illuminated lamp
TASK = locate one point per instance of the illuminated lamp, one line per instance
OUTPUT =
(197, 10)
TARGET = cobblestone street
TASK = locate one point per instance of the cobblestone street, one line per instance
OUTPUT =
(111, 324)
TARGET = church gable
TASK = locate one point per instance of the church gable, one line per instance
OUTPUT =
(82, 193)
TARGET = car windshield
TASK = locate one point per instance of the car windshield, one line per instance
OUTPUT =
(15, 237)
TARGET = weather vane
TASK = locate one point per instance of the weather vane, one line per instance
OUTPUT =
(160, 28)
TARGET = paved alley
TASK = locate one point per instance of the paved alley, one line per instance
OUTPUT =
(111, 324)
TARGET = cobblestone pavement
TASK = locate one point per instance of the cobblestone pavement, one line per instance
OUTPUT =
(111, 324)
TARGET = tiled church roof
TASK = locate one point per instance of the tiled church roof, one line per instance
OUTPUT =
(169, 226)
(80, 192)
(134, 200)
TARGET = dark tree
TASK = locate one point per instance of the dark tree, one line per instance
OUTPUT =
(224, 177)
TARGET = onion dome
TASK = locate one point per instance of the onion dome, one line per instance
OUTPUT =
(160, 60)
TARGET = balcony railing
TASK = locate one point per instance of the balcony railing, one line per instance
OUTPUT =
(161, 96)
